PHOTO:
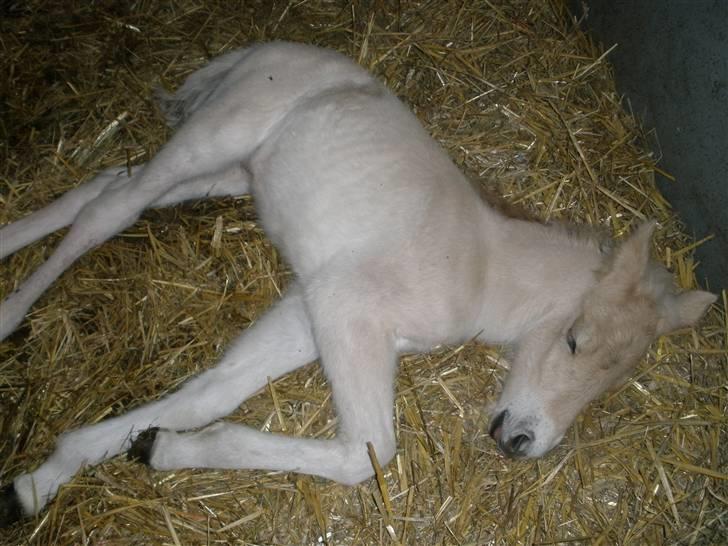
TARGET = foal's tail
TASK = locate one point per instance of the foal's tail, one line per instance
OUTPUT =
(197, 88)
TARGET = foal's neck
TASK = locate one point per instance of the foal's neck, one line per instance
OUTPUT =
(534, 271)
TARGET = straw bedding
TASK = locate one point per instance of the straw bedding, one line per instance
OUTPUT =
(523, 103)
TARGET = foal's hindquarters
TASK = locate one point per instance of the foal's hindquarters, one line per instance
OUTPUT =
(362, 203)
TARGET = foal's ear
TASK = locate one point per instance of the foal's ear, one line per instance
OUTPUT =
(631, 264)
(634, 254)
(683, 310)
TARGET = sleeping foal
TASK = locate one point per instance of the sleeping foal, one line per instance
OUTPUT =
(393, 252)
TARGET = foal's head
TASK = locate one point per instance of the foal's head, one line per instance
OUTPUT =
(571, 359)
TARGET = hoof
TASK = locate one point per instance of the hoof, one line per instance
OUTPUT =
(141, 447)
(10, 509)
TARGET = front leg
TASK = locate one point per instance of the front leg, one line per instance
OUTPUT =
(359, 359)
(276, 344)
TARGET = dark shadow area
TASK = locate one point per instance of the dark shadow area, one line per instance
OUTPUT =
(671, 63)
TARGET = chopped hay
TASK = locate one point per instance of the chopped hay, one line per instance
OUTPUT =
(523, 102)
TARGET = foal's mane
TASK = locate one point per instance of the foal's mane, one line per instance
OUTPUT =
(656, 280)
(587, 234)
(590, 235)
(506, 208)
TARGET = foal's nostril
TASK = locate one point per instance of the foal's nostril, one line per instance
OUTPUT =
(519, 444)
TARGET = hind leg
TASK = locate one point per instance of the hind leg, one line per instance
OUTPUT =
(210, 142)
(115, 206)
(276, 344)
(223, 132)
(58, 214)
(359, 359)
(233, 181)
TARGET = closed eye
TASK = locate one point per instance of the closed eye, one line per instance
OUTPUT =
(571, 341)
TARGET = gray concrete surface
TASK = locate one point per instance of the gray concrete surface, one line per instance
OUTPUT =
(671, 63)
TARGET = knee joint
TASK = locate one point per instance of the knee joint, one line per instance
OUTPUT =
(356, 462)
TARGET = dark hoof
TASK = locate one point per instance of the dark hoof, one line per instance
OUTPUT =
(141, 447)
(10, 509)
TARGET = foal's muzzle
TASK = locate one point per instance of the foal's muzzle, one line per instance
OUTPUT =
(513, 443)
